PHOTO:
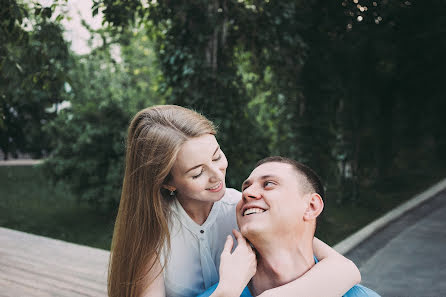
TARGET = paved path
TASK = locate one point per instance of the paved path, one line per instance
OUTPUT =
(407, 258)
(36, 266)
(19, 162)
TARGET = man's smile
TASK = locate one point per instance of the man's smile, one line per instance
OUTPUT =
(253, 210)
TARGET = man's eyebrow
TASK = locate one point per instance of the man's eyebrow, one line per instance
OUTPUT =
(196, 166)
(246, 182)
(263, 177)
(268, 176)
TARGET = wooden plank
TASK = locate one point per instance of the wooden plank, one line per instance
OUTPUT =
(64, 278)
(81, 268)
(35, 266)
(13, 289)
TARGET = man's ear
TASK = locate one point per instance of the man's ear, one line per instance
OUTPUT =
(169, 188)
(314, 208)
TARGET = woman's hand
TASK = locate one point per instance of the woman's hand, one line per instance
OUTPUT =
(237, 268)
(337, 273)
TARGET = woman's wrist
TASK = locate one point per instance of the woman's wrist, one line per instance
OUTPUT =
(223, 290)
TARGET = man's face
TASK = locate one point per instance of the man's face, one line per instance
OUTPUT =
(272, 201)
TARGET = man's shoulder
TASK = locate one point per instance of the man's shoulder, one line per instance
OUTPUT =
(361, 291)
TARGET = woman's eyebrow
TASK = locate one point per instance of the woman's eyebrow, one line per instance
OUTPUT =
(216, 150)
(196, 166)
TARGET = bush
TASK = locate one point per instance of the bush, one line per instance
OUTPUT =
(89, 137)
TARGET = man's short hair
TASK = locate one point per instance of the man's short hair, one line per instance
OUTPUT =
(313, 180)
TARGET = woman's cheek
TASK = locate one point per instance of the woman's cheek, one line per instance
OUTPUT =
(200, 185)
(224, 163)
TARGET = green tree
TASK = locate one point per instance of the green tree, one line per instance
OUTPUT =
(89, 137)
(196, 43)
(336, 85)
(33, 63)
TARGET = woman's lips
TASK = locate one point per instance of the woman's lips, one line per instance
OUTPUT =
(216, 188)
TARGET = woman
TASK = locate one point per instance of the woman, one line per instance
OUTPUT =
(175, 215)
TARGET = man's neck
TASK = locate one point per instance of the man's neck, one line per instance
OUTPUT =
(280, 264)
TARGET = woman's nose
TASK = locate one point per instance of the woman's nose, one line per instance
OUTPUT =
(216, 174)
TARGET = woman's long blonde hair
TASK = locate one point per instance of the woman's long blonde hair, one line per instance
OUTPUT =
(155, 136)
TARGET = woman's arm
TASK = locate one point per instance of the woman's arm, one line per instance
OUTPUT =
(333, 275)
(155, 280)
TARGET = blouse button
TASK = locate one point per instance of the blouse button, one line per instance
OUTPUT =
(201, 231)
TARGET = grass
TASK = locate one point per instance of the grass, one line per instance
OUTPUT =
(30, 203)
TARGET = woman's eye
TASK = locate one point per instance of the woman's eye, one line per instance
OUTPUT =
(218, 158)
(198, 175)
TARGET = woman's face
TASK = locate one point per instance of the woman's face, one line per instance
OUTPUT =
(199, 170)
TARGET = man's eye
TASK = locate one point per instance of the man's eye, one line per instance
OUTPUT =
(198, 175)
(218, 158)
(268, 183)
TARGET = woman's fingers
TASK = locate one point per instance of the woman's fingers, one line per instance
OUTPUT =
(249, 246)
(239, 237)
(229, 243)
(238, 267)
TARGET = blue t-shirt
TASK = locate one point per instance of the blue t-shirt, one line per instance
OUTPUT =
(356, 291)
(211, 290)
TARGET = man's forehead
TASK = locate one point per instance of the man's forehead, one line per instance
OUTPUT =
(276, 169)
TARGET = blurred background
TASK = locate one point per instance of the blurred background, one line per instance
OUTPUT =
(353, 88)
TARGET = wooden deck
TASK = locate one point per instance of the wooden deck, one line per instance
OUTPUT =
(32, 265)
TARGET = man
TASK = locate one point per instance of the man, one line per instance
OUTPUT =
(277, 214)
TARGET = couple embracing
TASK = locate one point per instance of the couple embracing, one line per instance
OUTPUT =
(172, 233)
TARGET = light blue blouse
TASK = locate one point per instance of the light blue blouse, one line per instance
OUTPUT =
(194, 259)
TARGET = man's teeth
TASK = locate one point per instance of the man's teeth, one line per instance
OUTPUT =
(253, 210)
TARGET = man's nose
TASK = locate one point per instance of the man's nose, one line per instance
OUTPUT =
(252, 192)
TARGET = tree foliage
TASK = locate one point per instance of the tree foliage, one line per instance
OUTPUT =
(89, 137)
(33, 63)
(352, 88)
(196, 43)
(334, 84)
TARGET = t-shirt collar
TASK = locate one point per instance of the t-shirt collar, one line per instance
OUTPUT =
(190, 224)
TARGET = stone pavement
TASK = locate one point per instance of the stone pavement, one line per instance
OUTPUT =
(407, 258)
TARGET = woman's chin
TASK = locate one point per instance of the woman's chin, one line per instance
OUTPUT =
(221, 193)
(220, 196)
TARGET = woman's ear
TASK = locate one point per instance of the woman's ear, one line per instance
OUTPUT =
(314, 208)
(169, 188)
